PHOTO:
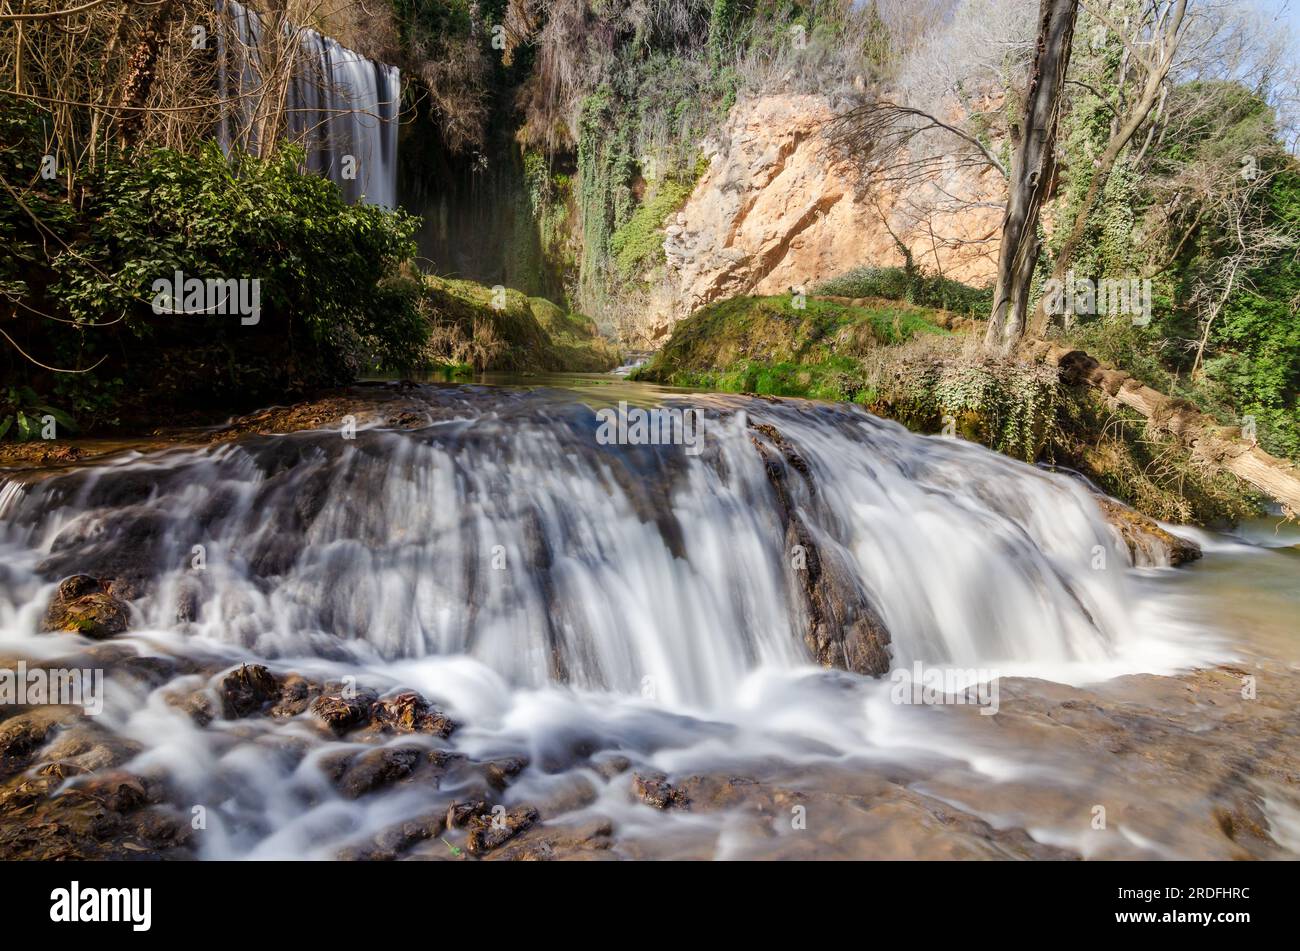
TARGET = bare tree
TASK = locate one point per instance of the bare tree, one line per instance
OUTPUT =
(1033, 173)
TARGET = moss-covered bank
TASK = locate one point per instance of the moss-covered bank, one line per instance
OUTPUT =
(473, 328)
(924, 368)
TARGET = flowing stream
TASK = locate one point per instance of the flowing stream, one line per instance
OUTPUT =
(567, 601)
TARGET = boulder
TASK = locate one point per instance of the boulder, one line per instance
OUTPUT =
(408, 712)
(653, 789)
(342, 713)
(491, 831)
(248, 690)
(87, 606)
(1148, 544)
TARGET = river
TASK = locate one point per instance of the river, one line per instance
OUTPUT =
(627, 638)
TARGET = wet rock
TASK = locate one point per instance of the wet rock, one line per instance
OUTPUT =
(296, 695)
(342, 713)
(151, 671)
(408, 712)
(248, 690)
(198, 705)
(842, 628)
(83, 745)
(162, 827)
(20, 737)
(491, 831)
(653, 789)
(401, 837)
(501, 773)
(460, 813)
(609, 767)
(376, 769)
(592, 839)
(1148, 544)
(120, 792)
(121, 551)
(87, 606)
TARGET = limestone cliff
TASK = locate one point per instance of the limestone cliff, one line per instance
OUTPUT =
(779, 207)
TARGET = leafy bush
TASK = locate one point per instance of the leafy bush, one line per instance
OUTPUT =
(22, 411)
(333, 297)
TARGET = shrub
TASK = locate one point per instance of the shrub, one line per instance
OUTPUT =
(333, 297)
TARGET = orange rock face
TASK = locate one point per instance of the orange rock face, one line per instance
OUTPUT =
(779, 208)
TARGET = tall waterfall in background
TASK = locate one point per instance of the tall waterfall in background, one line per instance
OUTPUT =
(340, 105)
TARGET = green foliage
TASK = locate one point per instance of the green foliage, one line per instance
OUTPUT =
(605, 200)
(477, 328)
(23, 415)
(1257, 339)
(895, 283)
(333, 301)
(1009, 407)
(1175, 217)
(638, 244)
(721, 42)
(767, 345)
(323, 264)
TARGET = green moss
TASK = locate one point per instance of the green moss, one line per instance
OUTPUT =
(478, 328)
(766, 345)
(914, 286)
(638, 244)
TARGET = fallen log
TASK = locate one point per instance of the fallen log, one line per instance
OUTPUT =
(1216, 445)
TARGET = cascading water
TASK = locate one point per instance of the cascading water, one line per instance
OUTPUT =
(340, 105)
(561, 597)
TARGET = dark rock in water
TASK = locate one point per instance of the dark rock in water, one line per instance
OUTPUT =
(461, 812)
(296, 695)
(491, 831)
(87, 606)
(843, 628)
(399, 838)
(127, 549)
(654, 790)
(408, 712)
(20, 737)
(376, 769)
(342, 713)
(501, 773)
(198, 706)
(1148, 544)
(250, 689)
(118, 791)
(610, 766)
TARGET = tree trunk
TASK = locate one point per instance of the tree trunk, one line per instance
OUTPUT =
(1220, 447)
(141, 69)
(1033, 170)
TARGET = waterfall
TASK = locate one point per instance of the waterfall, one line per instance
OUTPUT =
(572, 604)
(340, 105)
(503, 531)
